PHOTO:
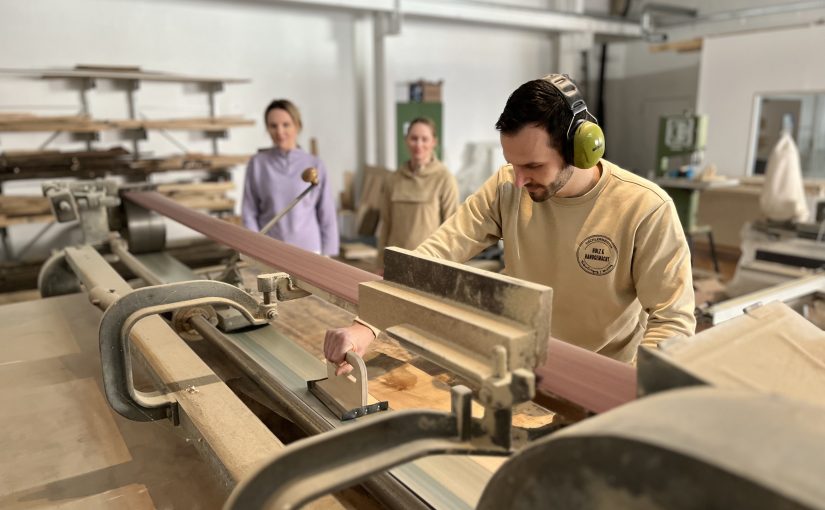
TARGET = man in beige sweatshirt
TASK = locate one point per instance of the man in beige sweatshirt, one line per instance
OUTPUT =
(608, 242)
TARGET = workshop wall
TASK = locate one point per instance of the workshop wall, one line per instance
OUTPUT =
(285, 52)
(736, 69)
(318, 58)
(641, 87)
(307, 55)
(480, 67)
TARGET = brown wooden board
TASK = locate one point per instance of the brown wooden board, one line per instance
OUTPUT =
(114, 161)
(21, 205)
(85, 124)
(193, 123)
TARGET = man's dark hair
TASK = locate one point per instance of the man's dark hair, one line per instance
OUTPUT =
(539, 103)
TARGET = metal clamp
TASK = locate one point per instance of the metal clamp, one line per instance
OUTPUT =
(281, 284)
(119, 319)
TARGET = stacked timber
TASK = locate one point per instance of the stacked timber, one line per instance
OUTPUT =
(27, 122)
(205, 196)
(16, 210)
(189, 123)
(51, 164)
(190, 161)
(100, 163)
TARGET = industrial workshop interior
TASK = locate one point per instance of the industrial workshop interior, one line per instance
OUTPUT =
(412, 254)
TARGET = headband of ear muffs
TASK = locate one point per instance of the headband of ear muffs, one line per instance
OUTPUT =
(585, 137)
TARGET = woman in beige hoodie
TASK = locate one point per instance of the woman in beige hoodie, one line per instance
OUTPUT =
(419, 196)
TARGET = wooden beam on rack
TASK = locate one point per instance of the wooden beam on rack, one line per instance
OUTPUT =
(69, 124)
(7, 221)
(683, 46)
(190, 123)
(115, 161)
(192, 161)
(195, 187)
(21, 205)
(118, 73)
(209, 196)
(84, 124)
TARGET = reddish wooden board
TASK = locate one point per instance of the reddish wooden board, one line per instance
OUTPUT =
(590, 380)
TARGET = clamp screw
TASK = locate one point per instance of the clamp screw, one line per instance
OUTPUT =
(266, 285)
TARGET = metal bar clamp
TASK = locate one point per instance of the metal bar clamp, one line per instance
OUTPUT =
(119, 319)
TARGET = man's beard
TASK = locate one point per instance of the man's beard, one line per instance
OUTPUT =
(539, 193)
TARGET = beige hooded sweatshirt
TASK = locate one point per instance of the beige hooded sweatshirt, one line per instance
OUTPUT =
(415, 203)
(616, 257)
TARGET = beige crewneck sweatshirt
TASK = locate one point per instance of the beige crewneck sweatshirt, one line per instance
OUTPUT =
(616, 257)
(415, 203)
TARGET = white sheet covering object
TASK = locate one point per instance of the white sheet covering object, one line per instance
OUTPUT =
(783, 196)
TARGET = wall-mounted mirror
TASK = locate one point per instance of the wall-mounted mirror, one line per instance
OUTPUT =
(803, 114)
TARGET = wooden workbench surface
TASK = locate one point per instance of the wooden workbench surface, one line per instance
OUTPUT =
(62, 445)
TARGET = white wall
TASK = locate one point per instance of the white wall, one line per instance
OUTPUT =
(285, 52)
(736, 69)
(318, 58)
(480, 67)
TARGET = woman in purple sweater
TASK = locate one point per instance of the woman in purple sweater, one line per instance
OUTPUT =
(273, 180)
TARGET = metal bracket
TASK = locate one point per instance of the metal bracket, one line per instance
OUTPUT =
(282, 285)
(490, 329)
(87, 201)
(119, 319)
(341, 458)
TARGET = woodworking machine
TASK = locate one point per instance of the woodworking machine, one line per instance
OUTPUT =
(731, 418)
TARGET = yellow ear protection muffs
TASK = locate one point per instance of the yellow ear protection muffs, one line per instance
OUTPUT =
(586, 137)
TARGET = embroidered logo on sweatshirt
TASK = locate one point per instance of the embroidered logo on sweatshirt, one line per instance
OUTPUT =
(597, 255)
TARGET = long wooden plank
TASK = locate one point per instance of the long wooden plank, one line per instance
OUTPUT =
(202, 123)
(21, 205)
(194, 161)
(193, 187)
(572, 373)
(7, 221)
(119, 73)
(83, 124)
(91, 164)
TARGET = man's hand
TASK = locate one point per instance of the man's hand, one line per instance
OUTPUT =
(352, 338)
